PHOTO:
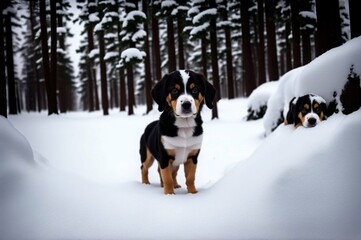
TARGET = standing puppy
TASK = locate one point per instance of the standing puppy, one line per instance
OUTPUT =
(176, 138)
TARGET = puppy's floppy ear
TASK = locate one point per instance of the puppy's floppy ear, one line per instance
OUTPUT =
(291, 112)
(210, 94)
(295, 111)
(324, 109)
(209, 91)
(158, 93)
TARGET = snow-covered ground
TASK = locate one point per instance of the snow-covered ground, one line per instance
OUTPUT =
(77, 175)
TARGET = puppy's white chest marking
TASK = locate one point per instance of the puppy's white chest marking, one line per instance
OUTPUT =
(185, 142)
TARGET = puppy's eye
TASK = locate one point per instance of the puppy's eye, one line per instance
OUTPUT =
(304, 111)
(174, 92)
(317, 110)
(195, 91)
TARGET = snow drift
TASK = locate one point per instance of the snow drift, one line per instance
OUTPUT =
(298, 184)
(257, 101)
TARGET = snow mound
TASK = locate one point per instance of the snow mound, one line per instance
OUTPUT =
(298, 184)
(301, 183)
(16, 153)
(257, 101)
(323, 76)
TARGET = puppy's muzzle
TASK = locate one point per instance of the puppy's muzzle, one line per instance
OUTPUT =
(186, 107)
(312, 122)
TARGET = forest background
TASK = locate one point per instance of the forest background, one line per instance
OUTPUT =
(125, 47)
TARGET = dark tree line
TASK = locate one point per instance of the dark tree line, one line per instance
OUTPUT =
(128, 45)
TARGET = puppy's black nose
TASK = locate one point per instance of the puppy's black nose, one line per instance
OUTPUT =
(312, 121)
(186, 106)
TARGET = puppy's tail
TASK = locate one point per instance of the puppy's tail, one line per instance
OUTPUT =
(143, 149)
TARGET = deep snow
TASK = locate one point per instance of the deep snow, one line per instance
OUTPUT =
(298, 184)
(77, 175)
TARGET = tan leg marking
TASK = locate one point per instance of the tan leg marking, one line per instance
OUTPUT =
(160, 176)
(174, 175)
(190, 173)
(167, 178)
(145, 166)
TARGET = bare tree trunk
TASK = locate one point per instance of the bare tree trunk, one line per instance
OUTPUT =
(214, 53)
(296, 42)
(261, 44)
(229, 60)
(10, 65)
(156, 47)
(90, 87)
(181, 61)
(91, 74)
(36, 80)
(355, 18)
(53, 106)
(204, 57)
(328, 33)
(3, 102)
(97, 107)
(131, 98)
(122, 89)
(271, 41)
(288, 48)
(103, 74)
(148, 77)
(248, 67)
(50, 88)
(172, 63)
(306, 40)
(62, 81)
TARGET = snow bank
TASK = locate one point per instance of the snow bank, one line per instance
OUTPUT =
(15, 150)
(257, 101)
(298, 184)
(323, 76)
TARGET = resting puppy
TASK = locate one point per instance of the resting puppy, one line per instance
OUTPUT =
(176, 138)
(307, 111)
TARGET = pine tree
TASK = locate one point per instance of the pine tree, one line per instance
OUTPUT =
(99, 30)
(284, 31)
(132, 33)
(308, 27)
(65, 71)
(199, 32)
(226, 25)
(50, 85)
(89, 17)
(167, 8)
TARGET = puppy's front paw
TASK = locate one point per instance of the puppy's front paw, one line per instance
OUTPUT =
(192, 190)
